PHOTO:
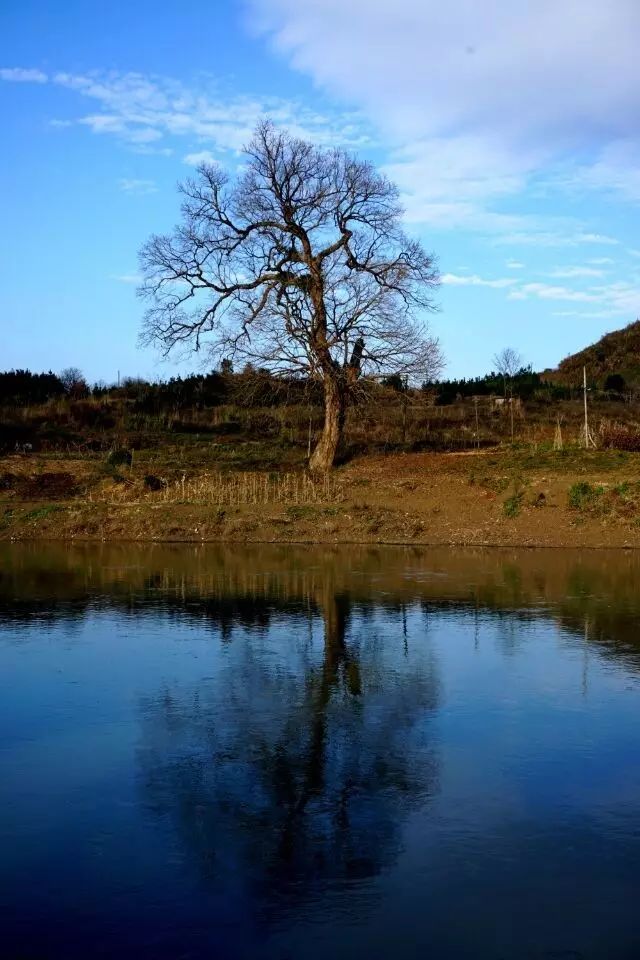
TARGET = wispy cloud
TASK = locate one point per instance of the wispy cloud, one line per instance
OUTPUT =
(547, 291)
(614, 170)
(485, 93)
(621, 299)
(133, 185)
(515, 265)
(569, 273)
(472, 280)
(449, 181)
(542, 239)
(201, 156)
(146, 110)
(22, 75)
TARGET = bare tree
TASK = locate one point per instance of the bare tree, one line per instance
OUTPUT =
(301, 266)
(507, 363)
(74, 382)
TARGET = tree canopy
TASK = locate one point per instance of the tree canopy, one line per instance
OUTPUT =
(300, 265)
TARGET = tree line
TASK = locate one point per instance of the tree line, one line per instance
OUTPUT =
(259, 387)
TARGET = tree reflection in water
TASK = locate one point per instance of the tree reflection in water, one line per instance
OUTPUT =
(294, 767)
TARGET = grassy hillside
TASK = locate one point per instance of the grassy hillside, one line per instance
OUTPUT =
(616, 354)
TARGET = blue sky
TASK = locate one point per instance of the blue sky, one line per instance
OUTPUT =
(511, 129)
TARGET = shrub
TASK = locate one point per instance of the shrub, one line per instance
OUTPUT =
(582, 494)
(615, 383)
(118, 458)
(512, 505)
(152, 482)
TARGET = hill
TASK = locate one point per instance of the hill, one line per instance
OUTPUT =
(616, 355)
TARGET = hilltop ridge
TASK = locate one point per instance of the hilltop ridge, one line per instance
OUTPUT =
(615, 355)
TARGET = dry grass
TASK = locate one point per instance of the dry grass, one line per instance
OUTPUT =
(223, 489)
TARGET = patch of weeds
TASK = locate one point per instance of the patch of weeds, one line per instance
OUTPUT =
(621, 502)
(7, 518)
(41, 513)
(513, 505)
(300, 512)
(583, 495)
(494, 484)
(119, 458)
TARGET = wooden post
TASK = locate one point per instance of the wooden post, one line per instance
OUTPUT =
(511, 408)
(475, 403)
(557, 442)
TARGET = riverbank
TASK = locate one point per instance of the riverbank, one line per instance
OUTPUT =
(509, 497)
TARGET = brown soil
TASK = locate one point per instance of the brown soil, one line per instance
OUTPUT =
(507, 498)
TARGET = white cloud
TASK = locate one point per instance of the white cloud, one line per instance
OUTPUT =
(142, 110)
(620, 299)
(448, 181)
(494, 96)
(596, 238)
(584, 314)
(569, 273)
(195, 159)
(22, 75)
(463, 280)
(133, 185)
(601, 261)
(549, 70)
(546, 239)
(546, 291)
(615, 170)
(515, 264)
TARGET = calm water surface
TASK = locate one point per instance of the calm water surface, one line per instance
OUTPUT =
(297, 753)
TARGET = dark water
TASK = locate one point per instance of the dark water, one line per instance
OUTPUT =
(291, 753)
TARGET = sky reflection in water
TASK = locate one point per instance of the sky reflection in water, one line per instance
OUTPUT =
(283, 752)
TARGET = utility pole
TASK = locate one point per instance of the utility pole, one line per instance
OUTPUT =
(588, 439)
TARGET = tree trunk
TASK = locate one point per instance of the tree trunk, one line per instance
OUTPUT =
(335, 405)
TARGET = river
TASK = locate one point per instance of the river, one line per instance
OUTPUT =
(288, 752)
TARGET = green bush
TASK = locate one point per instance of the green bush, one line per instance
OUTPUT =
(513, 504)
(581, 494)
